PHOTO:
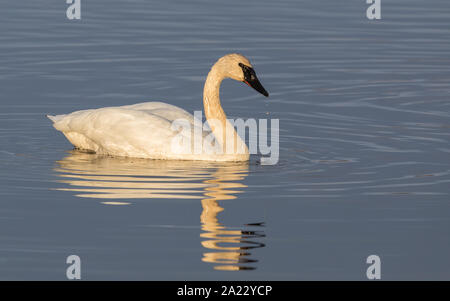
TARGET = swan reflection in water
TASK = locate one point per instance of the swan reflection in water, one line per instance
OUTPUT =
(117, 181)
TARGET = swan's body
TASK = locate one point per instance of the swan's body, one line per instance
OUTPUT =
(146, 130)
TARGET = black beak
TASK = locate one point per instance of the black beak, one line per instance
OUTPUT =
(251, 79)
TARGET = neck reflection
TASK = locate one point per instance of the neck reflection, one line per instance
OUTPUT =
(117, 181)
(229, 247)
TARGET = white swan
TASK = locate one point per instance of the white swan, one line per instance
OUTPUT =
(146, 130)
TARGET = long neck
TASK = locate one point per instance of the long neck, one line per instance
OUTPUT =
(223, 131)
(211, 99)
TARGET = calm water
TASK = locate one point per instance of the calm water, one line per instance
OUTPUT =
(364, 141)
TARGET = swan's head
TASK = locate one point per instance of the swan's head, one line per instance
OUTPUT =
(238, 67)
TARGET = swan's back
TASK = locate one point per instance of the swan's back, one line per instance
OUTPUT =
(141, 130)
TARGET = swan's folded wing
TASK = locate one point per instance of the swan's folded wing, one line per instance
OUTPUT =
(120, 131)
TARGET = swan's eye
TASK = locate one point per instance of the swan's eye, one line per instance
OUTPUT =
(244, 67)
(249, 73)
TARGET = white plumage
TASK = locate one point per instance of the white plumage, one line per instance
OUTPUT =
(145, 130)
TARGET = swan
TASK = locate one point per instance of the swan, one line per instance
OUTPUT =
(146, 130)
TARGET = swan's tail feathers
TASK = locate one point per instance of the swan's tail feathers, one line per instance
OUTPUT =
(55, 118)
